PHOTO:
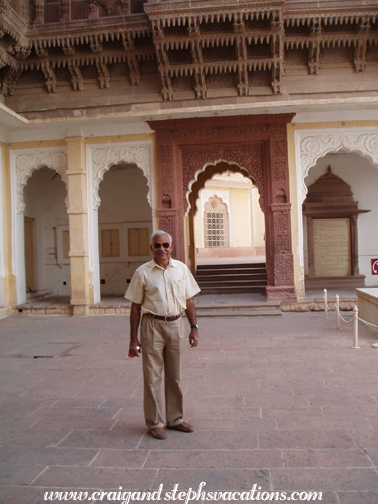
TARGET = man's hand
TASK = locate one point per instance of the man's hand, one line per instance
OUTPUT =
(134, 324)
(193, 337)
(191, 314)
(134, 348)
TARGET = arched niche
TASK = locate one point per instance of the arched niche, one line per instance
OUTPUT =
(23, 163)
(100, 158)
(313, 145)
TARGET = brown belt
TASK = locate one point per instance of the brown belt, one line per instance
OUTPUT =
(160, 317)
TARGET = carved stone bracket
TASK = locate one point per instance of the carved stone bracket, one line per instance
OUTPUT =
(25, 162)
(9, 81)
(101, 158)
(49, 75)
(311, 146)
(76, 76)
(103, 74)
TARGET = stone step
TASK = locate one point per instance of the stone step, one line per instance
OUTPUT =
(201, 267)
(225, 277)
(233, 289)
(232, 278)
(252, 309)
(238, 313)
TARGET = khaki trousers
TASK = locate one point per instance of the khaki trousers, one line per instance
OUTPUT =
(162, 347)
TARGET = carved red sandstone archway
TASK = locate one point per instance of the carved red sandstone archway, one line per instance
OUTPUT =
(195, 187)
(256, 143)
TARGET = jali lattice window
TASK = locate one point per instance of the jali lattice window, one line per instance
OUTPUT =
(216, 229)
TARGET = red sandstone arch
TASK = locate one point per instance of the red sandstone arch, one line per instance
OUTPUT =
(256, 143)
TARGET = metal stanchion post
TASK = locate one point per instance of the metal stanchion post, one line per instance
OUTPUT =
(337, 312)
(325, 303)
(355, 327)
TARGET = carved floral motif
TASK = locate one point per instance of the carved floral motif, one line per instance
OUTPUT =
(242, 143)
(26, 162)
(102, 158)
(312, 147)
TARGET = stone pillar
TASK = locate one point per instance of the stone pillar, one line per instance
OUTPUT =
(78, 220)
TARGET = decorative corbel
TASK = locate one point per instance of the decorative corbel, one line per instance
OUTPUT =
(41, 52)
(68, 49)
(49, 75)
(76, 76)
(360, 46)
(96, 45)
(276, 78)
(200, 83)
(20, 52)
(132, 60)
(243, 84)
(103, 74)
(166, 85)
(314, 47)
(10, 80)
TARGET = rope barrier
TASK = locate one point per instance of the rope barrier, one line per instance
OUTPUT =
(355, 319)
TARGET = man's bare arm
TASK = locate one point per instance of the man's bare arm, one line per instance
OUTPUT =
(134, 325)
(191, 314)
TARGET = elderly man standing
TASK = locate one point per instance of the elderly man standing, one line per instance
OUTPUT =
(161, 290)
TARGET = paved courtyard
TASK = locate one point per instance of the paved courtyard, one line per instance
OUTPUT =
(282, 403)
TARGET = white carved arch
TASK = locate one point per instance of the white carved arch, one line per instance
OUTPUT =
(310, 146)
(25, 162)
(100, 158)
(103, 157)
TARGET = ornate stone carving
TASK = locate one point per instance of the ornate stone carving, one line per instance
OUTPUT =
(187, 148)
(102, 158)
(314, 146)
(26, 161)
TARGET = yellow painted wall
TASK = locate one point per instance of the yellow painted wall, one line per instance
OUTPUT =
(247, 226)
(240, 218)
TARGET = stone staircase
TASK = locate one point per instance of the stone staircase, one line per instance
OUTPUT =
(234, 290)
(232, 278)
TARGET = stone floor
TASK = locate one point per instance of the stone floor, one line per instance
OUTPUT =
(281, 403)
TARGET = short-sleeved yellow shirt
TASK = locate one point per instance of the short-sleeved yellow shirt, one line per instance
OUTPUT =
(162, 291)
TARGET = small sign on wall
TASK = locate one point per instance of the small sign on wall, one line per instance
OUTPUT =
(374, 266)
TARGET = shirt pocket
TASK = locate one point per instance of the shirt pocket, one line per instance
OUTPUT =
(180, 291)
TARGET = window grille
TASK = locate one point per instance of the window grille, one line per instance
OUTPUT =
(215, 229)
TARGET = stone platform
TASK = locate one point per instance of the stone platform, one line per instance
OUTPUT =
(207, 304)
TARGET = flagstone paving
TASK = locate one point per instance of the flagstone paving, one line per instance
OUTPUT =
(281, 403)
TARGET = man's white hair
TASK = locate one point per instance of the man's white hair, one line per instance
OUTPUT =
(158, 233)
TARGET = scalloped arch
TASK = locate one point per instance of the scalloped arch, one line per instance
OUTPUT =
(311, 147)
(102, 158)
(197, 177)
(26, 162)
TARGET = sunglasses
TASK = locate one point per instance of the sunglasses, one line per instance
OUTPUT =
(158, 245)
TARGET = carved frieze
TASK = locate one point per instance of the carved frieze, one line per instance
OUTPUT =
(201, 42)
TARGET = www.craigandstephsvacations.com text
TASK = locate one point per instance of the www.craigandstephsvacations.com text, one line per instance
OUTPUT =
(255, 494)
